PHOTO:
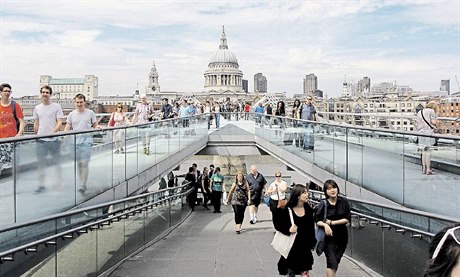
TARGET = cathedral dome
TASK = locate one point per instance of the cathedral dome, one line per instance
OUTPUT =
(223, 56)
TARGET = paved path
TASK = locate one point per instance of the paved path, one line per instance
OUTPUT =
(206, 245)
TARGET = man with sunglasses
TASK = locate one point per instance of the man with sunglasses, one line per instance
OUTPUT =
(445, 253)
(47, 121)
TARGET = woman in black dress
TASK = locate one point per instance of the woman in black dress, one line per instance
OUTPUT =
(335, 225)
(300, 258)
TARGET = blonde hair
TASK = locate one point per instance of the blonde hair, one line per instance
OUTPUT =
(432, 105)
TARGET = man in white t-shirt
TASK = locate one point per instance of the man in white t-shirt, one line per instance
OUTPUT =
(82, 119)
(47, 121)
(143, 114)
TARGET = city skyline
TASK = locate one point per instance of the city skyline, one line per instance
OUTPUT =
(416, 44)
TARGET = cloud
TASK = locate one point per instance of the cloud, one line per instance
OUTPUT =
(414, 42)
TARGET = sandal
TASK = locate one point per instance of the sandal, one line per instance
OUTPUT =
(430, 172)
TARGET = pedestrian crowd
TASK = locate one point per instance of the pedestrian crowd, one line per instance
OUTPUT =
(292, 213)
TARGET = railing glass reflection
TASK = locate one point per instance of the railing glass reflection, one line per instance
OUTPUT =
(50, 174)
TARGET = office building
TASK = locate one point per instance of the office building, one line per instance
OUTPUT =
(260, 83)
(310, 84)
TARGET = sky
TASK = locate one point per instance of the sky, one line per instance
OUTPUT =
(415, 43)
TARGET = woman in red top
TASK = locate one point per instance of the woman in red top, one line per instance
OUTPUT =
(8, 123)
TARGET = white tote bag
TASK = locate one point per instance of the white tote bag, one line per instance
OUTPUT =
(282, 243)
(224, 198)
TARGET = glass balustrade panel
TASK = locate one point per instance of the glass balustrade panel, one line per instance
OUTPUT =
(355, 156)
(7, 185)
(93, 153)
(133, 151)
(119, 149)
(77, 256)
(40, 263)
(383, 168)
(110, 245)
(44, 169)
(134, 232)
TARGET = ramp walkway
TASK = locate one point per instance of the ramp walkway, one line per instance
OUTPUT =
(206, 244)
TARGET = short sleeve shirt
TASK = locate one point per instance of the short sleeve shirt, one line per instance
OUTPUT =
(307, 112)
(82, 121)
(7, 121)
(142, 112)
(47, 116)
(217, 182)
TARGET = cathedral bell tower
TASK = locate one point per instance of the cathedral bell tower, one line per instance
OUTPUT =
(153, 87)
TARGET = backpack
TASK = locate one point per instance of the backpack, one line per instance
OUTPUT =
(13, 108)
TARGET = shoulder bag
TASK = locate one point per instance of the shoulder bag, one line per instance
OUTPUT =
(282, 243)
(435, 130)
(281, 202)
(112, 120)
(320, 235)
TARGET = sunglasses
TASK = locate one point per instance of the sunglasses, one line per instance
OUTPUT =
(454, 232)
(277, 175)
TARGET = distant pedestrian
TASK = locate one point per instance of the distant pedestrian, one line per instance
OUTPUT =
(217, 186)
(193, 184)
(239, 196)
(259, 111)
(335, 226)
(217, 110)
(427, 124)
(276, 191)
(143, 114)
(120, 119)
(308, 112)
(247, 109)
(82, 119)
(257, 184)
(48, 120)
(206, 187)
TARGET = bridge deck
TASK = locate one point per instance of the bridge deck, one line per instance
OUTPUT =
(206, 244)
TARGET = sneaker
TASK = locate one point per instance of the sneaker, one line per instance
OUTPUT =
(117, 151)
(40, 189)
(147, 151)
(251, 221)
(255, 220)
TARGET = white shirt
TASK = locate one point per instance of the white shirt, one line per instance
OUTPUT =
(47, 116)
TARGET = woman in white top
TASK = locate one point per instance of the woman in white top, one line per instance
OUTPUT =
(276, 190)
(427, 124)
(207, 112)
(120, 119)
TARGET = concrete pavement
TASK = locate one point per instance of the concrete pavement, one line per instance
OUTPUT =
(206, 244)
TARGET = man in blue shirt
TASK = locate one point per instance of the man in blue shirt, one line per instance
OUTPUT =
(259, 114)
(308, 112)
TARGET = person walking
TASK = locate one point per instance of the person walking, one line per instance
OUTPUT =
(48, 120)
(308, 112)
(257, 184)
(427, 124)
(143, 114)
(10, 115)
(206, 187)
(300, 259)
(217, 187)
(239, 196)
(276, 191)
(82, 119)
(335, 226)
(217, 114)
(120, 119)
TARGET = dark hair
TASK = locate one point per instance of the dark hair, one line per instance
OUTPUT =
(328, 184)
(211, 165)
(296, 191)
(190, 169)
(217, 169)
(280, 109)
(48, 88)
(194, 165)
(296, 103)
(80, 96)
(4, 85)
(447, 258)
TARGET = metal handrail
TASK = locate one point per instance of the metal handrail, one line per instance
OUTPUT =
(9, 254)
